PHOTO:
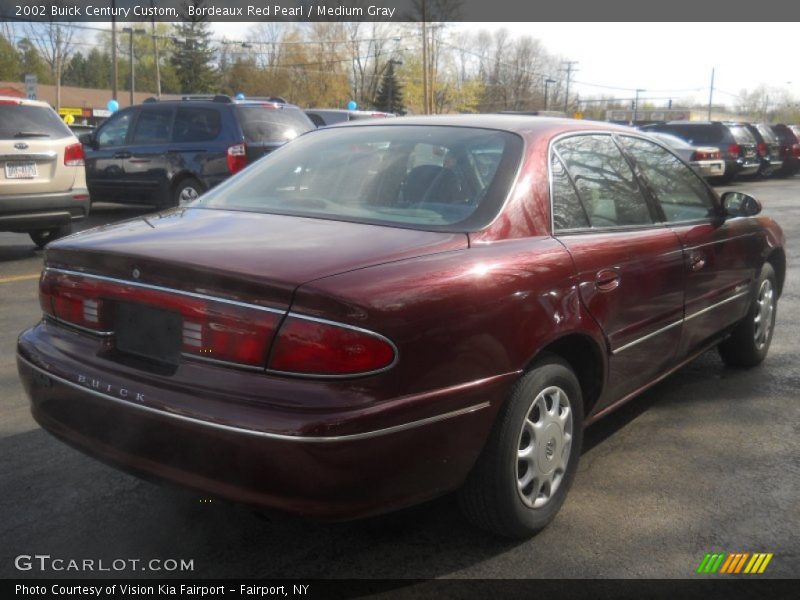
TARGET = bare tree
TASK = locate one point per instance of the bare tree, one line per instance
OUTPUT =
(54, 41)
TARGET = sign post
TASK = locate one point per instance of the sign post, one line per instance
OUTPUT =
(31, 87)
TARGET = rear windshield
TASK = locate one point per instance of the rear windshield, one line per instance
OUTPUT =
(265, 123)
(767, 133)
(19, 121)
(703, 134)
(434, 178)
(741, 135)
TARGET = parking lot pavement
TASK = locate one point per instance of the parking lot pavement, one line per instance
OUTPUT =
(705, 461)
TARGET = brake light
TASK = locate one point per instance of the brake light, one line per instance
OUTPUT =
(237, 158)
(705, 155)
(312, 347)
(212, 329)
(733, 150)
(73, 155)
(763, 150)
(796, 150)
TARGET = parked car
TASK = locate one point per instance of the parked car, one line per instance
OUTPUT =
(43, 185)
(706, 160)
(322, 117)
(789, 148)
(371, 317)
(169, 152)
(80, 129)
(769, 147)
(738, 148)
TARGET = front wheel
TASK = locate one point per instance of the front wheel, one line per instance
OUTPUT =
(522, 477)
(748, 344)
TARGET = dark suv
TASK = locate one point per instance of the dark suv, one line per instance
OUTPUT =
(790, 149)
(769, 147)
(169, 152)
(736, 144)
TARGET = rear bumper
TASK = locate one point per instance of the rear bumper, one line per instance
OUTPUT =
(709, 168)
(29, 212)
(367, 470)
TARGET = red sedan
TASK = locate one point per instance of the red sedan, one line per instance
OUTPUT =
(387, 311)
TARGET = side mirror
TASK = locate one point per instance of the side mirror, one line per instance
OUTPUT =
(88, 139)
(739, 204)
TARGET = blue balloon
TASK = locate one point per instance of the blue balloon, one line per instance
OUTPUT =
(352, 105)
(240, 96)
(112, 106)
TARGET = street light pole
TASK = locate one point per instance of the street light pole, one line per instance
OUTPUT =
(636, 106)
(155, 52)
(114, 74)
(547, 83)
(130, 31)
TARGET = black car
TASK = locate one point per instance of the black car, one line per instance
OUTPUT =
(736, 144)
(790, 149)
(769, 147)
(169, 152)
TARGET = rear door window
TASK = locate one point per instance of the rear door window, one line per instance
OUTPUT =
(195, 124)
(679, 191)
(605, 182)
(153, 126)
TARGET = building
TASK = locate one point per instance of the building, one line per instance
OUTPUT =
(645, 116)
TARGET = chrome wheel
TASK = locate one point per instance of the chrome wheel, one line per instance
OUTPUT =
(765, 307)
(186, 195)
(543, 447)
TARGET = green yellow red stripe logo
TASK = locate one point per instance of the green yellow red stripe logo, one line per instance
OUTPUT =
(732, 563)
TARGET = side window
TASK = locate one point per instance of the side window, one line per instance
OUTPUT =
(605, 181)
(568, 212)
(152, 126)
(114, 131)
(193, 124)
(682, 195)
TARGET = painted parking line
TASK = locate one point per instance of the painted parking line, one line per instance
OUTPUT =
(19, 278)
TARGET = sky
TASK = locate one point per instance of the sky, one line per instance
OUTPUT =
(665, 59)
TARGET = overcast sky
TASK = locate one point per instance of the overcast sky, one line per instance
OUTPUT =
(661, 58)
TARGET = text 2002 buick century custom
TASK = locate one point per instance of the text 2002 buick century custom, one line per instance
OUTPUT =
(381, 313)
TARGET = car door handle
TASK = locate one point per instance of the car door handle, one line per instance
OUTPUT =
(606, 280)
(122, 155)
(697, 260)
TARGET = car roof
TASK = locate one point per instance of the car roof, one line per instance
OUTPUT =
(525, 125)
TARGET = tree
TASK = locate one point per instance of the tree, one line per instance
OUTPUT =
(54, 41)
(32, 63)
(10, 65)
(193, 54)
(390, 93)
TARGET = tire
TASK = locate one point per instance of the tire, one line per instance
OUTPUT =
(748, 344)
(186, 191)
(42, 237)
(491, 497)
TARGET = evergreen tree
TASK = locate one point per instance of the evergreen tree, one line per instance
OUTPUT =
(193, 54)
(32, 62)
(389, 97)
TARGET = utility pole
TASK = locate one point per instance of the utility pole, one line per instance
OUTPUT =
(155, 51)
(114, 73)
(424, 60)
(710, 94)
(569, 71)
(636, 106)
(547, 83)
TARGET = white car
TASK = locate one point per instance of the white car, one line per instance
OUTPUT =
(707, 161)
(42, 176)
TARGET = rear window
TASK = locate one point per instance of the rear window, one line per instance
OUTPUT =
(767, 133)
(263, 123)
(703, 134)
(18, 121)
(431, 178)
(741, 135)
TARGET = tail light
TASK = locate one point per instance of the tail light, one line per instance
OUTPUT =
(213, 329)
(763, 150)
(705, 155)
(733, 150)
(796, 150)
(237, 158)
(312, 347)
(73, 155)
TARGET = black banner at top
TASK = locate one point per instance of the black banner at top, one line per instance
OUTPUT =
(398, 10)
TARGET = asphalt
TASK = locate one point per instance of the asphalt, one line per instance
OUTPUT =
(708, 460)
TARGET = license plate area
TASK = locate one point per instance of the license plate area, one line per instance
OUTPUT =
(21, 170)
(149, 333)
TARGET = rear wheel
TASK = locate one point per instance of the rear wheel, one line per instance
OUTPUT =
(42, 237)
(522, 477)
(188, 190)
(749, 342)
